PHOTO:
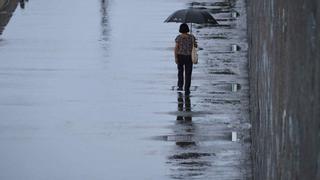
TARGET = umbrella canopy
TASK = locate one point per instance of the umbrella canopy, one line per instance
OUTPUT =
(191, 15)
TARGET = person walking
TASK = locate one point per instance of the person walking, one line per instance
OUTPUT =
(182, 53)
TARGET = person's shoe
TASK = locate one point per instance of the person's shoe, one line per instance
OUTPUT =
(187, 92)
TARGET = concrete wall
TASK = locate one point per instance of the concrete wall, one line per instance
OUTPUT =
(284, 43)
(2, 3)
(6, 11)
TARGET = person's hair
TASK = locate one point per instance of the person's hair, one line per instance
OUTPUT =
(184, 28)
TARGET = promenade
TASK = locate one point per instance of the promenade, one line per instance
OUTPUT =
(88, 91)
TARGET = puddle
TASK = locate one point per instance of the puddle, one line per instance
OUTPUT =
(216, 37)
(226, 26)
(187, 114)
(222, 101)
(215, 92)
(193, 138)
(192, 88)
(194, 4)
(222, 72)
(195, 165)
(191, 155)
(225, 88)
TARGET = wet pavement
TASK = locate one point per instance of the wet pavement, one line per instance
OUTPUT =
(87, 91)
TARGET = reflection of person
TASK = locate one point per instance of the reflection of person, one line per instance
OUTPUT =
(184, 120)
(182, 53)
(184, 105)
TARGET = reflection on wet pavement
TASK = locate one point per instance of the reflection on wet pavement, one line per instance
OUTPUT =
(203, 147)
(105, 31)
(188, 162)
(92, 95)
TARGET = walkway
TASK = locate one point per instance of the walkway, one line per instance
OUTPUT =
(87, 92)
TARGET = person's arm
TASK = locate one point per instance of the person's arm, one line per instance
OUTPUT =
(176, 53)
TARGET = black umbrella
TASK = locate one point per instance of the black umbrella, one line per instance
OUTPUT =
(191, 15)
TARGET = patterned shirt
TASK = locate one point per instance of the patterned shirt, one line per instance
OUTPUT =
(185, 44)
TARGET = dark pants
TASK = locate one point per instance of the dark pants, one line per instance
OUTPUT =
(184, 67)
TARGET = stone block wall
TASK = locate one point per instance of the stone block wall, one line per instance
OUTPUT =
(284, 62)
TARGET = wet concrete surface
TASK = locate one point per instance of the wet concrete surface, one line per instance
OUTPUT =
(87, 91)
